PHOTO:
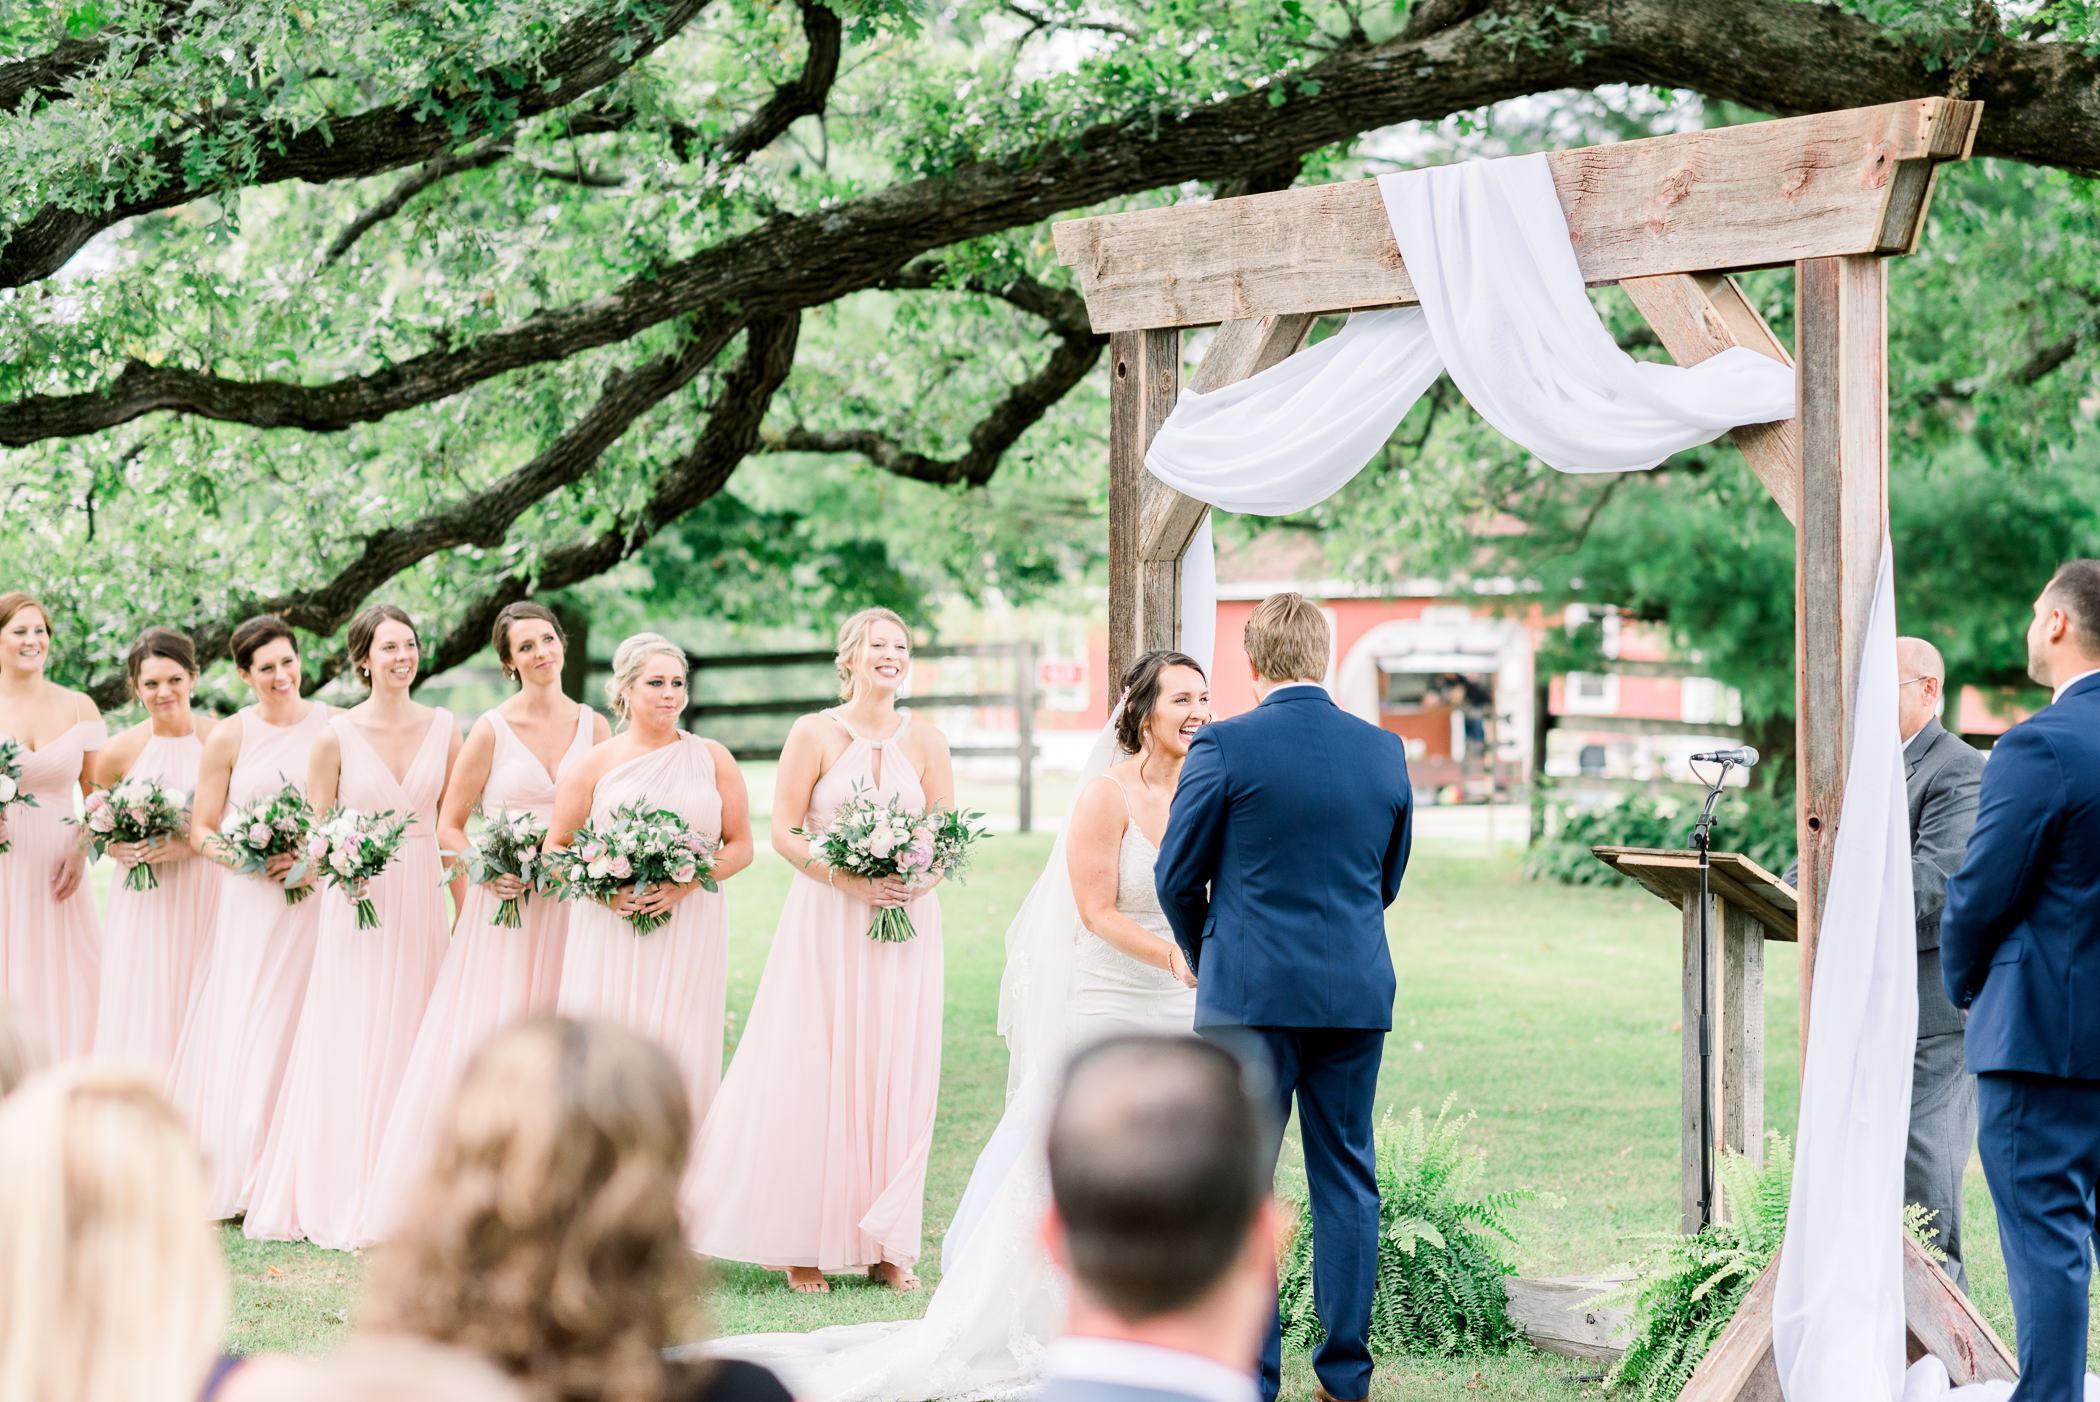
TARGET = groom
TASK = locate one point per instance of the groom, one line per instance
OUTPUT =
(1286, 842)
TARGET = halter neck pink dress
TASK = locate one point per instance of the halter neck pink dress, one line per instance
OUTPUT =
(815, 1154)
(491, 977)
(230, 1061)
(364, 1003)
(50, 951)
(669, 985)
(155, 943)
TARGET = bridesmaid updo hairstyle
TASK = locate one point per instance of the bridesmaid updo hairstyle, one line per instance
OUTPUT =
(544, 1233)
(628, 658)
(1141, 688)
(256, 634)
(499, 634)
(853, 636)
(15, 601)
(159, 642)
(365, 627)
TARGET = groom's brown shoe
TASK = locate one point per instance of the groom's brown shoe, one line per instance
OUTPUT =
(1321, 1394)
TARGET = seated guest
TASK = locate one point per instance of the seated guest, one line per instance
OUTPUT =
(544, 1232)
(114, 1289)
(1162, 1217)
(373, 1370)
(21, 1046)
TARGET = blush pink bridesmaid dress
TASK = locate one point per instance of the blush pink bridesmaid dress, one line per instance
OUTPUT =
(155, 943)
(671, 984)
(50, 950)
(491, 977)
(364, 1003)
(815, 1154)
(230, 1062)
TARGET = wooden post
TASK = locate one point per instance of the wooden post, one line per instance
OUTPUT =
(1842, 354)
(1690, 1161)
(1742, 1033)
(1144, 380)
(1024, 731)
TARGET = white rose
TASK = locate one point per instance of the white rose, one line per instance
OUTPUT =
(8, 789)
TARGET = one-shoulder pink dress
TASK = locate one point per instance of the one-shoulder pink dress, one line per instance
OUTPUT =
(816, 1152)
(364, 1003)
(492, 976)
(671, 984)
(50, 951)
(230, 1062)
(155, 943)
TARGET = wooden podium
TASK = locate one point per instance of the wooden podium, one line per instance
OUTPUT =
(1750, 906)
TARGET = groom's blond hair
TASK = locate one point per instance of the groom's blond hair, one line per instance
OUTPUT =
(1286, 639)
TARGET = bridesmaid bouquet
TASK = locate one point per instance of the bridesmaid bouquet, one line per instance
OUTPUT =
(134, 810)
(354, 847)
(11, 780)
(638, 847)
(273, 826)
(875, 840)
(508, 845)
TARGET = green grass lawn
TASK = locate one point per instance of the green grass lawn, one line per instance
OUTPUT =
(1549, 1012)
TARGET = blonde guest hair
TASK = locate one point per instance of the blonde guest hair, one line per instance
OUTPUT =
(544, 1234)
(853, 637)
(21, 1046)
(628, 658)
(1286, 639)
(112, 1288)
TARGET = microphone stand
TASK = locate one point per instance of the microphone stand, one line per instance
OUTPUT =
(1702, 842)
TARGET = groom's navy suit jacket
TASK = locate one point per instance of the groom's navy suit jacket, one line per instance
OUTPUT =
(1287, 840)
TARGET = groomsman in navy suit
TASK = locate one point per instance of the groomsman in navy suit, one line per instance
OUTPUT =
(2020, 949)
(1286, 842)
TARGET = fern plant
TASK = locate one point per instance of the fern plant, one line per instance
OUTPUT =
(1441, 1248)
(1688, 1287)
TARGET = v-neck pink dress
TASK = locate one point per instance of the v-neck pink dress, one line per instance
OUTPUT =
(50, 950)
(155, 943)
(230, 1062)
(491, 977)
(815, 1154)
(670, 985)
(364, 1003)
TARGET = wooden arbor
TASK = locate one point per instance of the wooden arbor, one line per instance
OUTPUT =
(1668, 219)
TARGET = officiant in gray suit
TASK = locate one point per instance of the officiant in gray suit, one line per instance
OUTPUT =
(1941, 773)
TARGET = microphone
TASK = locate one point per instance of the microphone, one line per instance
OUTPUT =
(1742, 757)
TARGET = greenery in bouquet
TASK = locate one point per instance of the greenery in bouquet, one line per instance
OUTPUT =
(11, 780)
(134, 810)
(507, 845)
(254, 834)
(876, 840)
(354, 847)
(636, 847)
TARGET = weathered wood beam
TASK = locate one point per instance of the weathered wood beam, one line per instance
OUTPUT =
(1842, 338)
(1755, 196)
(1699, 315)
(1144, 379)
(1742, 1034)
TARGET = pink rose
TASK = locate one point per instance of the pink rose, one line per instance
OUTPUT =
(922, 836)
(317, 846)
(881, 843)
(620, 867)
(96, 800)
(683, 876)
(260, 835)
(102, 820)
(695, 843)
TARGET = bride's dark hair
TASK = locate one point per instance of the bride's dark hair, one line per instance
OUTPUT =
(1141, 694)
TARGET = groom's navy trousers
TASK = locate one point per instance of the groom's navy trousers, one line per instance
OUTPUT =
(1287, 840)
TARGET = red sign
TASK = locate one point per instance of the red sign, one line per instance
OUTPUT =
(1061, 671)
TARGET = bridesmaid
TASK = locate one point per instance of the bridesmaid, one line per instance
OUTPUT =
(815, 1156)
(50, 940)
(366, 996)
(492, 976)
(669, 985)
(155, 943)
(230, 1061)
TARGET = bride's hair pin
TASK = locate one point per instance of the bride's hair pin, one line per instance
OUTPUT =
(1141, 688)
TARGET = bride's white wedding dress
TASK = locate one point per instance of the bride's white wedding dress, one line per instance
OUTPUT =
(1000, 1303)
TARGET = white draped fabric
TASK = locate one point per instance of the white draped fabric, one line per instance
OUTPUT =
(1837, 1320)
(1504, 310)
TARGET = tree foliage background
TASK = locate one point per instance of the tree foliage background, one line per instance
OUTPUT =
(749, 310)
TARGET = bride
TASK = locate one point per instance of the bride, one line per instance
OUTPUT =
(1089, 955)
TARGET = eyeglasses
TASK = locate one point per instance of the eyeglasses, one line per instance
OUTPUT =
(1909, 680)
